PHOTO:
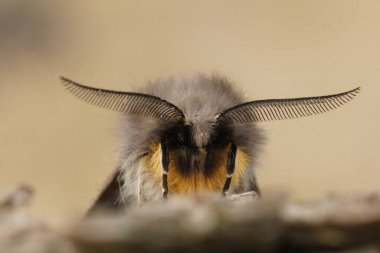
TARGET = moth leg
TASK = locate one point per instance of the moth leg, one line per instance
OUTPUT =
(111, 197)
(165, 167)
(230, 168)
(139, 193)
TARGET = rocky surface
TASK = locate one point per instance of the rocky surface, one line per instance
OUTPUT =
(203, 223)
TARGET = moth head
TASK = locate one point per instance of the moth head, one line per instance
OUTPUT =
(199, 141)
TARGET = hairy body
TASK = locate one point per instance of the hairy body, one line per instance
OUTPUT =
(185, 135)
(200, 98)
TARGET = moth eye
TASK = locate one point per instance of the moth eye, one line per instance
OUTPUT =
(184, 136)
(181, 138)
(220, 138)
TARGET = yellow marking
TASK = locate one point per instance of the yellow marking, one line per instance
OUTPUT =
(241, 163)
(196, 181)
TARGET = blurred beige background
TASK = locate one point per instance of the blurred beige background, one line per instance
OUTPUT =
(272, 49)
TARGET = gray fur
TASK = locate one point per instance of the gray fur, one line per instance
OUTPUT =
(200, 98)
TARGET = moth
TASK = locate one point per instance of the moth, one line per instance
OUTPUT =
(185, 135)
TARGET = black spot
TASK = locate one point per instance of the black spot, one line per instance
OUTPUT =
(221, 136)
(179, 136)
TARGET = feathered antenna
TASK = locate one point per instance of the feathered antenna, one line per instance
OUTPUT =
(127, 102)
(279, 109)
